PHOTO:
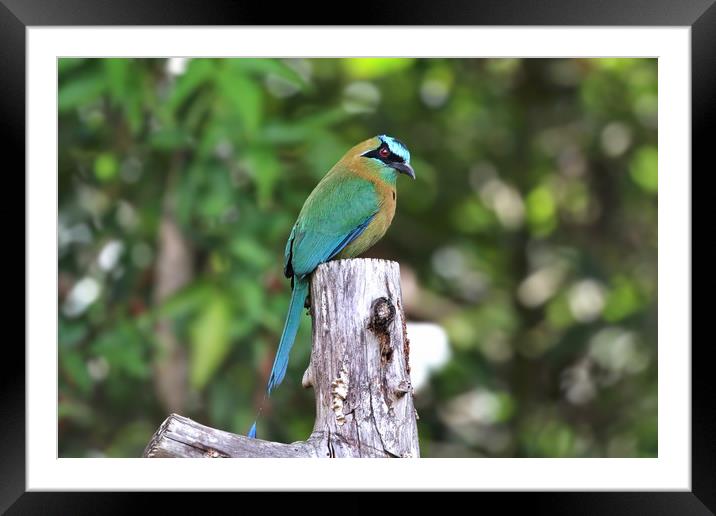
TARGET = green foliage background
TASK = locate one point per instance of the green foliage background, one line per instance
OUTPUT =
(530, 236)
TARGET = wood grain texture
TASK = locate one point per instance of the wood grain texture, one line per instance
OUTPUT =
(364, 399)
(359, 370)
(179, 436)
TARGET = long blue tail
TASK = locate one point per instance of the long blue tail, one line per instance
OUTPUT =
(290, 328)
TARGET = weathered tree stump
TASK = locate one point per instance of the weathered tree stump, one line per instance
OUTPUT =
(359, 370)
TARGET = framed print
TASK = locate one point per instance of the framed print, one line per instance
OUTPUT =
(485, 210)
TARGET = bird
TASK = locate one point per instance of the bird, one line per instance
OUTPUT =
(347, 212)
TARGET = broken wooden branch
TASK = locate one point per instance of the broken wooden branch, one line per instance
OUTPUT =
(359, 370)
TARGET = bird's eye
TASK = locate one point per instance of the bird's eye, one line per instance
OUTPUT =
(384, 152)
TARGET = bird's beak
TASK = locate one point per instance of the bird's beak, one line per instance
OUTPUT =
(404, 168)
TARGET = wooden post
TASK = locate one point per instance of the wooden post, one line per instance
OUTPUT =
(359, 370)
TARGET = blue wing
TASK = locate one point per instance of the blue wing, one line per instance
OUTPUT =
(319, 238)
(351, 236)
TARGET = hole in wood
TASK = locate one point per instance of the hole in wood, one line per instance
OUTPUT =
(382, 315)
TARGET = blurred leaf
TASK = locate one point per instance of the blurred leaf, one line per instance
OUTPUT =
(506, 407)
(67, 64)
(252, 298)
(617, 64)
(622, 301)
(72, 364)
(470, 216)
(198, 72)
(106, 167)
(170, 139)
(222, 395)
(77, 412)
(559, 313)
(130, 440)
(549, 438)
(250, 253)
(80, 91)
(70, 334)
(265, 169)
(187, 192)
(118, 73)
(306, 128)
(124, 349)
(370, 68)
(218, 196)
(644, 169)
(209, 341)
(245, 99)
(264, 67)
(541, 209)
(185, 301)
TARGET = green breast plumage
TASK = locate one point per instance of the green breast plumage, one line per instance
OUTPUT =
(385, 195)
(338, 212)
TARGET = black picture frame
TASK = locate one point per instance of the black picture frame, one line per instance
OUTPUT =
(17, 15)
